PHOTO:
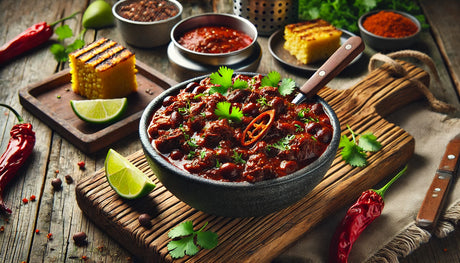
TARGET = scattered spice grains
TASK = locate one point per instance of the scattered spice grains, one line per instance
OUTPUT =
(2, 228)
(68, 179)
(56, 183)
(25, 200)
(37, 231)
(49, 236)
(81, 164)
(32, 198)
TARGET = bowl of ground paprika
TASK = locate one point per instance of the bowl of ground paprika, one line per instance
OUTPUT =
(389, 29)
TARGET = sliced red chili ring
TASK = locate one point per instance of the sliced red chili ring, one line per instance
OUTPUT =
(258, 127)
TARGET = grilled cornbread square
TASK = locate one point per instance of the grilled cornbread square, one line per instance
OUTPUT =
(103, 70)
(311, 41)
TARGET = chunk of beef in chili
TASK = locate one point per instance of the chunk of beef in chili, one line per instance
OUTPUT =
(189, 134)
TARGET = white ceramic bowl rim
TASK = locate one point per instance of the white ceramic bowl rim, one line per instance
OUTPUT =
(119, 17)
(306, 171)
(411, 17)
(247, 22)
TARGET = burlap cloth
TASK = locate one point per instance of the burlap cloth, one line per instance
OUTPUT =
(394, 235)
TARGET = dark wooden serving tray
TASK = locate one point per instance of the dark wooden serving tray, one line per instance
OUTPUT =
(260, 239)
(49, 100)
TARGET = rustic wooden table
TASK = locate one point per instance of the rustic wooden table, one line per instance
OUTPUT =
(57, 212)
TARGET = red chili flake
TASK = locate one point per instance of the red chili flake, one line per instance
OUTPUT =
(25, 201)
(2, 228)
(100, 248)
(84, 258)
(32, 198)
(57, 171)
(81, 164)
(49, 236)
(37, 231)
(445, 250)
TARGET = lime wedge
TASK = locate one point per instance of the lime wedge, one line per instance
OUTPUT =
(125, 178)
(99, 110)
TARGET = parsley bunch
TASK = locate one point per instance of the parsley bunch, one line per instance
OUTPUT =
(184, 236)
(353, 152)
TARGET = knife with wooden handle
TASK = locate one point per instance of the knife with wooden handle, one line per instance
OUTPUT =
(439, 188)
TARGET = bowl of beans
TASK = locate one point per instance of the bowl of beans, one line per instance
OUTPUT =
(240, 151)
(389, 29)
(146, 23)
(215, 39)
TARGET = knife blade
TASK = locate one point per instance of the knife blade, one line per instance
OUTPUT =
(436, 195)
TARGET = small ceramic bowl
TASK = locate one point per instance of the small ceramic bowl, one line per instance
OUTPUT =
(235, 199)
(387, 43)
(145, 34)
(226, 20)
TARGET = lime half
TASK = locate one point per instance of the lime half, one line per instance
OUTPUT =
(125, 178)
(99, 110)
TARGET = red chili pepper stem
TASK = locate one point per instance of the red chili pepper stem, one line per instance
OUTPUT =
(382, 190)
(20, 119)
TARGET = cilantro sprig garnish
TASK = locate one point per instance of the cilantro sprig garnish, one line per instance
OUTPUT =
(283, 143)
(185, 240)
(60, 50)
(223, 111)
(273, 79)
(354, 152)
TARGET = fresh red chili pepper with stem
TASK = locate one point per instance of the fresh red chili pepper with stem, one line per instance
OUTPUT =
(19, 148)
(367, 208)
(29, 39)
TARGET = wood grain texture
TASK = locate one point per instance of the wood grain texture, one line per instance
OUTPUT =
(260, 239)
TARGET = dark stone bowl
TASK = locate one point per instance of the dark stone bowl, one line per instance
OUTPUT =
(235, 199)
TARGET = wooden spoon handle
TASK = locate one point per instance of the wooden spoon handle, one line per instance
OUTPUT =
(333, 66)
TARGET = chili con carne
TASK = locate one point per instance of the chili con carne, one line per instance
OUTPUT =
(390, 24)
(19, 148)
(367, 208)
(214, 39)
(29, 39)
(188, 133)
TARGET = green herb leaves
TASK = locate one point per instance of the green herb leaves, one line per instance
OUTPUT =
(60, 50)
(355, 153)
(223, 111)
(222, 77)
(184, 236)
(286, 87)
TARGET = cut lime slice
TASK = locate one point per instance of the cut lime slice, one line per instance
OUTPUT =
(99, 110)
(125, 178)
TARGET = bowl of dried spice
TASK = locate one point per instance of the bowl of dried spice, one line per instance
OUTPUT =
(389, 29)
(146, 24)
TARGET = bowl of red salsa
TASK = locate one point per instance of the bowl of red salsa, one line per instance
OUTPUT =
(200, 140)
(215, 39)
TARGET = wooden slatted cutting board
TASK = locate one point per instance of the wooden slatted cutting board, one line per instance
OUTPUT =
(263, 238)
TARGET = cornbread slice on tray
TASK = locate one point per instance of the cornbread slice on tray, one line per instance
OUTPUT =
(312, 40)
(103, 70)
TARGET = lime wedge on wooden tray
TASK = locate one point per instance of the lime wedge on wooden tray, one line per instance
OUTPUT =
(125, 178)
(99, 110)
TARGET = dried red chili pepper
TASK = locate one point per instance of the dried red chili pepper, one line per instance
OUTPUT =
(29, 39)
(19, 147)
(367, 208)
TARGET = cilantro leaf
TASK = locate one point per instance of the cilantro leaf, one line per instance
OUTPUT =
(178, 248)
(286, 87)
(369, 142)
(223, 111)
(59, 52)
(222, 77)
(63, 32)
(240, 84)
(183, 242)
(352, 153)
(283, 143)
(271, 80)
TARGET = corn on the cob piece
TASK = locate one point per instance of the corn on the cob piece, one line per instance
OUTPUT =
(103, 70)
(311, 41)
